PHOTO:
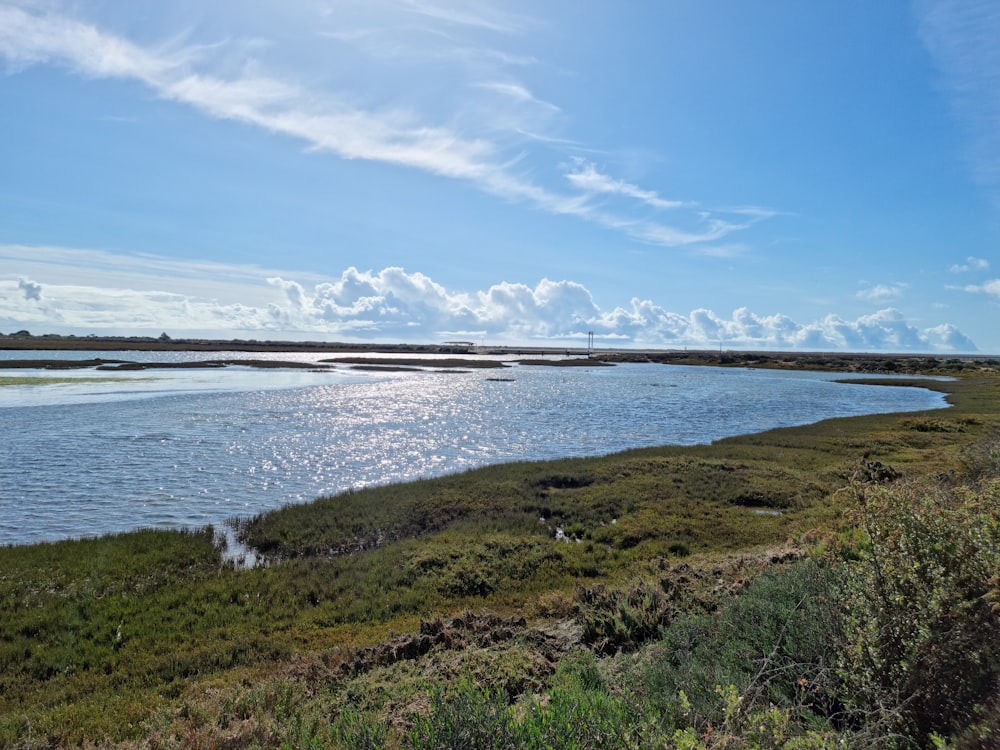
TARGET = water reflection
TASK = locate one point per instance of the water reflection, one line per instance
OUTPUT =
(195, 456)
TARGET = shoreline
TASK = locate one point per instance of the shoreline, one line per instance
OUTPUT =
(452, 365)
(820, 360)
(228, 530)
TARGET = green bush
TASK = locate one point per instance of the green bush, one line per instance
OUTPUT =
(775, 644)
(922, 626)
(570, 717)
(471, 718)
(762, 729)
(616, 620)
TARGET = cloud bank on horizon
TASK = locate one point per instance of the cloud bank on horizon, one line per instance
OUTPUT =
(517, 173)
(393, 305)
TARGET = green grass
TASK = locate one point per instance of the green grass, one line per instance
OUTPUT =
(42, 380)
(151, 634)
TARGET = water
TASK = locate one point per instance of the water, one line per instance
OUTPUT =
(182, 448)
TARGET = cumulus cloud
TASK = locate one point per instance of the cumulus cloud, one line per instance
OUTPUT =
(885, 330)
(948, 338)
(393, 305)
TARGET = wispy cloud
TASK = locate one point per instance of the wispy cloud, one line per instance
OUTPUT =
(62, 266)
(463, 14)
(156, 294)
(962, 36)
(585, 176)
(329, 121)
(990, 287)
(391, 45)
(881, 292)
(28, 39)
(518, 93)
(695, 225)
(727, 250)
(971, 264)
(712, 229)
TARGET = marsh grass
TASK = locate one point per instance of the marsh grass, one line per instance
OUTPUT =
(418, 362)
(42, 380)
(152, 636)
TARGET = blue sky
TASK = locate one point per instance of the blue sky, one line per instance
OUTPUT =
(663, 173)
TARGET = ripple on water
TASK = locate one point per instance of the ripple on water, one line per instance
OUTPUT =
(196, 457)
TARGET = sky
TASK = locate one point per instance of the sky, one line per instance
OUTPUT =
(778, 175)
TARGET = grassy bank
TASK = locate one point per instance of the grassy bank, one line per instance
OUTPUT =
(31, 380)
(530, 595)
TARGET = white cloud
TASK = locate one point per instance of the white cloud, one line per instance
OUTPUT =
(519, 93)
(584, 176)
(661, 234)
(63, 266)
(948, 338)
(461, 14)
(886, 330)
(990, 287)
(883, 330)
(971, 264)
(881, 292)
(727, 250)
(696, 226)
(961, 35)
(398, 305)
(481, 144)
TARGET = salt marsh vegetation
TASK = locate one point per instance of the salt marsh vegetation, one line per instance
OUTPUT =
(444, 612)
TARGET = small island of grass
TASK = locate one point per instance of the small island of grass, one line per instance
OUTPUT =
(42, 380)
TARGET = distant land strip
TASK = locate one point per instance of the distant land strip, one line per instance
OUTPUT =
(866, 362)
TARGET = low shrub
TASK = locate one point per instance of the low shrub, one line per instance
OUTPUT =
(622, 620)
(922, 621)
(569, 717)
(775, 644)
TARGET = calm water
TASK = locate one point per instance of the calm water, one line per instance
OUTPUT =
(193, 447)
